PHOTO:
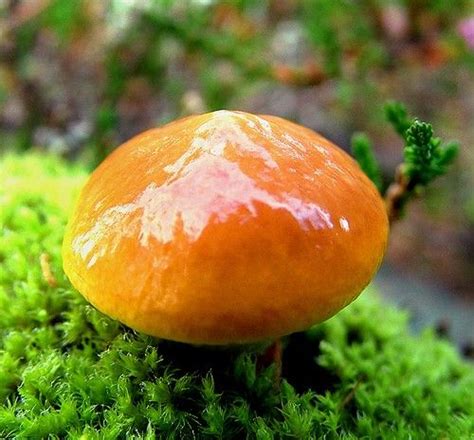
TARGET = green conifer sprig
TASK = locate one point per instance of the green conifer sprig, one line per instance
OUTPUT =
(362, 150)
(425, 157)
(397, 114)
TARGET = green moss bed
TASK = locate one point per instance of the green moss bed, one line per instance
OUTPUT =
(67, 371)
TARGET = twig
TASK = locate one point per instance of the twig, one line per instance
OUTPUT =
(351, 394)
(46, 270)
(396, 194)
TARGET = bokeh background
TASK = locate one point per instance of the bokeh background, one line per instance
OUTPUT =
(79, 77)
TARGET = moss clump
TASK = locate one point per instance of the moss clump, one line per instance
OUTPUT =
(68, 371)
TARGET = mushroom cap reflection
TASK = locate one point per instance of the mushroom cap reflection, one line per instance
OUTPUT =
(225, 228)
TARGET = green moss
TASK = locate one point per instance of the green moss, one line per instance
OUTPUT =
(68, 371)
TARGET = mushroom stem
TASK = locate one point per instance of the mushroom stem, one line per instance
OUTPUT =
(272, 355)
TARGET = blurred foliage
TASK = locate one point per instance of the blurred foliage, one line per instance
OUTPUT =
(119, 67)
(68, 371)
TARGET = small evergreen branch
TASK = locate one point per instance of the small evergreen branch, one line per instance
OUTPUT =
(425, 158)
(363, 152)
(396, 113)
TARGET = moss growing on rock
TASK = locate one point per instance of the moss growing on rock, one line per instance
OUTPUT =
(66, 370)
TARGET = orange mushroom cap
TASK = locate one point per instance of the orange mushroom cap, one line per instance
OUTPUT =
(224, 228)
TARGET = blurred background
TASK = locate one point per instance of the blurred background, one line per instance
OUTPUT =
(78, 77)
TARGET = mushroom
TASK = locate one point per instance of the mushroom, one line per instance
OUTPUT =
(225, 228)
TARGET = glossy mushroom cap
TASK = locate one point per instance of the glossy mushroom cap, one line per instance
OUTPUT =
(225, 228)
